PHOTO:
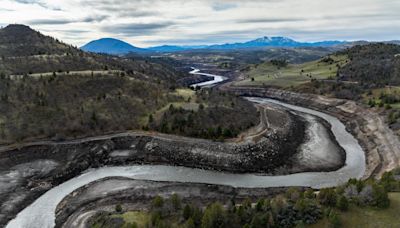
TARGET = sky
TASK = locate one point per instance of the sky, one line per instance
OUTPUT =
(146, 23)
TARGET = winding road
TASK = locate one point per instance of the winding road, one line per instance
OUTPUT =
(41, 213)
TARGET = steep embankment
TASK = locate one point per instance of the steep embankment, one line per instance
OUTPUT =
(381, 145)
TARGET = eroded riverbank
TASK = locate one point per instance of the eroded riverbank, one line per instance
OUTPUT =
(45, 205)
(78, 207)
(22, 181)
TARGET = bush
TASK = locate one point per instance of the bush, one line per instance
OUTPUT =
(380, 197)
(176, 202)
(187, 212)
(158, 202)
(342, 203)
(118, 208)
(327, 197)
(334, 220)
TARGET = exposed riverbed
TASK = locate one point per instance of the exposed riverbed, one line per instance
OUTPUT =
(42, 212)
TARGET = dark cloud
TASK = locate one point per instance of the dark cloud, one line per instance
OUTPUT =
(62, 21)
(68, 32)
(137, 29)
(96, 18)
(50, 22)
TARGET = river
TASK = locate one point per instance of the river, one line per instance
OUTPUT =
(41, 213)
(216, 79)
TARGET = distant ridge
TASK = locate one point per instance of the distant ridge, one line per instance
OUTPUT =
(111, 46)
(275, 42)
(118, 47)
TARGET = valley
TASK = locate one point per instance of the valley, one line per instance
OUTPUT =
(90, 132)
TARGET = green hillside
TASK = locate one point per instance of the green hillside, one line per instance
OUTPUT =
(282, 75)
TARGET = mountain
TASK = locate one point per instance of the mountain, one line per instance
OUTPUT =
(110, 46)
(175, 48)
(274, 42)
(117, 47)
(257, 43)
(167, 48)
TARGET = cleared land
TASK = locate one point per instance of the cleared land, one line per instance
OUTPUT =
(269, 74)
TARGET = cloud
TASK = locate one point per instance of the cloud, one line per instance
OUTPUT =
(136, 29)
(49, 21)
(153, 22)
(96, 18)
(223, 6)
(39, 3)
(88, 19)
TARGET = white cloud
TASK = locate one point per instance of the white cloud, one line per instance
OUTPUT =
(152, 22)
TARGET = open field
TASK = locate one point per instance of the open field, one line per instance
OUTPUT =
(366, 217)
(293, 74)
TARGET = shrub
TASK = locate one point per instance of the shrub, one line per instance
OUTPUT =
(158, 202)
(118, 208)
(342, 203)
(327, 197)
(176, 202)
(334, 220)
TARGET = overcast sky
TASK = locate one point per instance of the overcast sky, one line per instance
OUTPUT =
(186, 22)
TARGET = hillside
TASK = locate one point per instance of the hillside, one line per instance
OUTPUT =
(371, 66)
(59, 84)
(25, 51)
(20, 40)
(280, 73)
(51, 90)
(374, 64)
(110, 46)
